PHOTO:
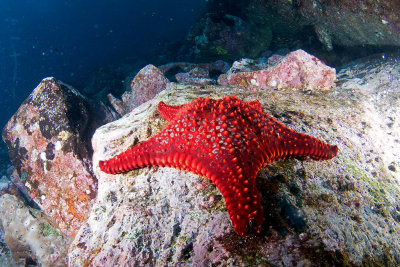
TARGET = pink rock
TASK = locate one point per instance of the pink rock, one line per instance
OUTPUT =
(223, 80)
(147, 83)
(274, 59)
(199, 72)
(298, 70)
(49, 145)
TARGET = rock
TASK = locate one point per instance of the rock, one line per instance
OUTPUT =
(31, 239)
(147, 83)
(218, 66)
(248, 65)
(5, 254)
(117, 104)
(189, 79)
(196, 76)
(48, 140)
(13, 185)
(343, 212)
(298, 70)
(177, 67)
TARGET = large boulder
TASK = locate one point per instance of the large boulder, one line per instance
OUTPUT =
(49, 145)
(344, 211)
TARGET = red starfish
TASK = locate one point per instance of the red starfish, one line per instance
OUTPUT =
(227, 140)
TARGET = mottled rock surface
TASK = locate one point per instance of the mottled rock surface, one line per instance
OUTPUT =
(217, 66)
(298, 70)
(49, 145)
(148, 82)
(195, 76)
(31, 239)
(341, 212)
(192, 73)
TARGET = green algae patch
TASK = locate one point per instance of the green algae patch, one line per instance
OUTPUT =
(48, 230)
(376, 189)
(132, 236)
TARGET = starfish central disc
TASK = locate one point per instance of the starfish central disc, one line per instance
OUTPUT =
(227, 140)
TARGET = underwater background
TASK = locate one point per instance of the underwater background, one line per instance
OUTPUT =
(71, 40)
(88, 91)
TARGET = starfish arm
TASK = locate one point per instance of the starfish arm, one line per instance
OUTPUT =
(138, 156)
(297, 145)
(150, 153)
(169, 112)
(311, 147)
(242, 198)
(233, 174)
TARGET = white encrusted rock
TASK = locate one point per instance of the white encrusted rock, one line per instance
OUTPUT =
(344, 208)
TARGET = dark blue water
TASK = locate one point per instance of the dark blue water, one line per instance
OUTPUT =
(71, 39)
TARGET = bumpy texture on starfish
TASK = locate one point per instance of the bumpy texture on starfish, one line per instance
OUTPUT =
(227, 140)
